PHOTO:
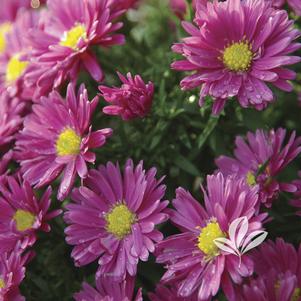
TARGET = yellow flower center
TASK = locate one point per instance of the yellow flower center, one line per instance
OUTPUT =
(120, 220)
(72, 37)
(24, 220)
(238, 56)
(206, 239)
(2, 283)
(68, 143)
(4, 29)
(15, 68)
(251, 179)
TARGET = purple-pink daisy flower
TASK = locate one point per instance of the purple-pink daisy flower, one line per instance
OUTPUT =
(296, 201)
(296, 6)
(57, 138)
(278, 278)
(113, 218)
(12, 273)
(108, 290)
(260, 158)
(64, 44)
(13, 55)
(194, 263)
(133, 99)
(237, 49)
(22, 214)
(165, 293)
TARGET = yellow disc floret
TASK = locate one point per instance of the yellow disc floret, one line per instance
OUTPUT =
(251, 179)
(68, 143)
(206, 239)
(72, 37)
(15, 68)
(24, 220)
(2, 283)
(4, 29)
(120, 220)
(238, 56)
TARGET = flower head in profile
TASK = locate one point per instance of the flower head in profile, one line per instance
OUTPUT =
(296, 200)
(14, 46)
(260, 158)
(194, 262)
(57, 138)
(296, 6)
(179, 7)
(22, 214)
(277, 269)
(113, 218)
(64, 45)
(238, 49)
(133, 99)
(11, 120)
(165, 293)
(108, 290)
(12, 273)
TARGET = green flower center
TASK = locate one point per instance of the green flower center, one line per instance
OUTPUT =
(238, 56)
(206, 239)
(72, 37)
(24, 220)
(68, 143)
(251, 179)
(120, 220)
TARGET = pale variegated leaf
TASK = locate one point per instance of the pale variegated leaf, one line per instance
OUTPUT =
(256, 242)
(226, 245)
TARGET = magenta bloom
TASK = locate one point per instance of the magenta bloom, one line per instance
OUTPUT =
(237, 49)
(10, 121)
(296, 201)
(296, 6)
(12, 272)
(179, 7)
(163, 293)
(57, 137)
(13, 58)
(10, 9)
(64, 45)
(21, 213)
(260, 159)
(114, 217)
(133, 99)
(108, 290)
(193, 261)
(117, 5)
(277, 266)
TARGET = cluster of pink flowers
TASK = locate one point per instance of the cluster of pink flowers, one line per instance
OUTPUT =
(235, 49)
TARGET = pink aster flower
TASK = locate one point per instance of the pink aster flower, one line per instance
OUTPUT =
(114, 217)
(194, 263)
(12, 272)
(108, 290)
(133, 99)
(179, 7)
(57, 137)
(237, 48)
(164, 293)
(11, 120)
(296, 201)
(260, 158)
(64, 45)
(117, 5)
(296, 6)
(277, 266)
(10, 9)
(13, 58)
(21, 213)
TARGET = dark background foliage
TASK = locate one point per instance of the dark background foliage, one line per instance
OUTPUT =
(178, 137)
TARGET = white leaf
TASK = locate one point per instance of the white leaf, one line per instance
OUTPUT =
(238, 229)
(226, 245)
(261, 236)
